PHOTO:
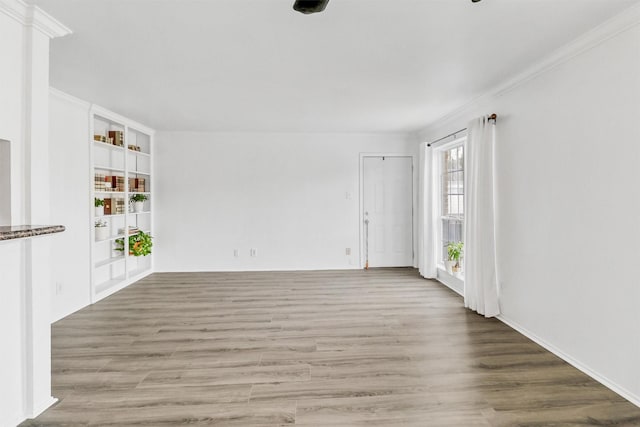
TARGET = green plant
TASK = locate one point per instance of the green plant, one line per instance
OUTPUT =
(98, 202)
(138, 198)
(139, 244)
(454, 251)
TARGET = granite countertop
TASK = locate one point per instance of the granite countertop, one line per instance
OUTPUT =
(11, 232)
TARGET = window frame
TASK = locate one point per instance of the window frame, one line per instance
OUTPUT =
(438, 154)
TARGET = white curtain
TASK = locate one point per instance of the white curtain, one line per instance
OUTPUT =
(426, 216)
(480, 276)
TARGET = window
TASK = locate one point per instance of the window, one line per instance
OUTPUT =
(451, 196)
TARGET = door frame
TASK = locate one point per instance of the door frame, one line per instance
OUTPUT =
(414, 204)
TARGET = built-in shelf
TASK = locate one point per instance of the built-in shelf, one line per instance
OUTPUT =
(111, 238)
(139, 153)
(111, 192)
(108, 261)
(107, 146)
(104, 286)
(137, 272)
(109, 168)
(114, 273)
(109, 216)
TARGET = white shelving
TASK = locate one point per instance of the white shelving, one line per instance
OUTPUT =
(116, 173)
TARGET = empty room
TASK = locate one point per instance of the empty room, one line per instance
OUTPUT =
(266, 213)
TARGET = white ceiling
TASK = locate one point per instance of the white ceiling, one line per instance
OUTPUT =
(256, 65)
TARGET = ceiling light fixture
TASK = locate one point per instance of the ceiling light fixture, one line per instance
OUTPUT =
(310, 6)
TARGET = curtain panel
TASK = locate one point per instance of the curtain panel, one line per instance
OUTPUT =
(480, 277)
(427, 231)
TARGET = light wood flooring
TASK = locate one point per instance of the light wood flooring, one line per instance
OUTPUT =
(334, 348)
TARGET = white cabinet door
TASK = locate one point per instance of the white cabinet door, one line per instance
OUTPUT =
(388, 207)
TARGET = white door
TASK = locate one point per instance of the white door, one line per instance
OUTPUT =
(388, 209)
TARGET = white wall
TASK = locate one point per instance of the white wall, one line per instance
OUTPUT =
(12, 254)
(283, 194)
(568, 156)
(69, 168)
(25, 362)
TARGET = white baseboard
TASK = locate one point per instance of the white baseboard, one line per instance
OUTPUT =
(42, 406)
(256, 270)
(631, 397)
(570, 360)
(450, 281)
(38, 409)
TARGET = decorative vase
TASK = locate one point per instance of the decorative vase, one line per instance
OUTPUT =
(449, 264)
(99, 210)
(138, 207)
(102, 233)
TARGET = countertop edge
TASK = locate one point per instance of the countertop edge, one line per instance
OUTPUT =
(26, 231)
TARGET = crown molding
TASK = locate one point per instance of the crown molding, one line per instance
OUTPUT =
(591, 39)
(32, 16)
(45, 23)
(15, 9)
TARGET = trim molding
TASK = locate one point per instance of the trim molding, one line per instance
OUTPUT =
(32, 16)
(69, 98)
(451, 282)
(45, 23)
(40, 407)
(107, 114)
(591, 39)
(570, 360)
(414, 203)
(562, 355)
(14, 9)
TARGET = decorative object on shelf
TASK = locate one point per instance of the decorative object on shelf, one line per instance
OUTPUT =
(115, 183)
(132, 230)
(107, 206)
(102, 230)
(118, 137)
(99, 205)
(454, 253)
(133, 147)
(119, 203)
(100, 138)
(139, 244)
(137, 185)
(138, 202)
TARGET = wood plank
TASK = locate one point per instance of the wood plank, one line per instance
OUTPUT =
(382, 347)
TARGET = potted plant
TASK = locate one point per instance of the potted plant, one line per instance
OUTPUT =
(139, 244)
(454, 253)
(138, 202)
(102, 229)
(99, 205)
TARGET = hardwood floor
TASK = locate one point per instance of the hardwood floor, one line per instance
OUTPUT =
(335, 348)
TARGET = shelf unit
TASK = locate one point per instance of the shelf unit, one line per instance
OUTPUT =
(113, 270)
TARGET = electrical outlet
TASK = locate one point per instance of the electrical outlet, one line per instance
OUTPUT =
(347, 251)
(254, 252)
(236, 253)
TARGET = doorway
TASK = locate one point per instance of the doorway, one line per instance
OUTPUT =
(387, 211)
